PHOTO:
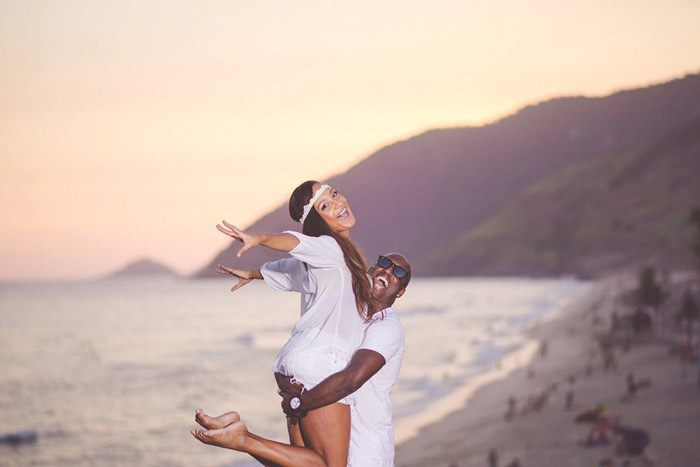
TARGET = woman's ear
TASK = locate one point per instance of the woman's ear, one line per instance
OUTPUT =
(401, 292)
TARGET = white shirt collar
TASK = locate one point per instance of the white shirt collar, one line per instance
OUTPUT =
(381, 314)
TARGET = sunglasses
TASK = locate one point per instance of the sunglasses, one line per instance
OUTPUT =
(385, 263)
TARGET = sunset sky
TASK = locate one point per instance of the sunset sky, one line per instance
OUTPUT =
(128, 129)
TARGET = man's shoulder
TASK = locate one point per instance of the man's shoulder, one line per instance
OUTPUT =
(387, 314)
(385, 319)
(384, 334)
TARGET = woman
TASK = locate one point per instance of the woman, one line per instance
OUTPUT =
(330, 273)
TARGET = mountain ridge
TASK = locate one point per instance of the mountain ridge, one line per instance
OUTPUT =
(421, 194)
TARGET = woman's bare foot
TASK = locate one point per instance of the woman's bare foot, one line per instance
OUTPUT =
(233, 436)
(214, 423)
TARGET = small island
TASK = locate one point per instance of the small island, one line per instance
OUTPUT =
(144, 267)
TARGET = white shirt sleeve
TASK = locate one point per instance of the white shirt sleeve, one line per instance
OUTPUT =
(384, 336)
(286, 275)
(322, 252)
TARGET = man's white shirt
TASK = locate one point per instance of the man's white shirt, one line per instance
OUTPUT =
(372, 435)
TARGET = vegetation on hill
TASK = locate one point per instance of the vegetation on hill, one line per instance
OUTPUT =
(617, 211)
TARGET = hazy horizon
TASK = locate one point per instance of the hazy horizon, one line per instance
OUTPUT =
(129, 130)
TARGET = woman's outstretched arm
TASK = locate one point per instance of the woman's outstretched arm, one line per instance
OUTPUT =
(275, 241)
(244, 276)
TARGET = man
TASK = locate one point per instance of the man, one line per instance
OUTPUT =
(369, 376)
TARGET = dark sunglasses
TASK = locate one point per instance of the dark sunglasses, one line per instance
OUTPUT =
(386, 263)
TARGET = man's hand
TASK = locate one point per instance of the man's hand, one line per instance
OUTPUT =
(288, 388)
(288, 384)
(244, 276)
(292, 414)
(363, 365)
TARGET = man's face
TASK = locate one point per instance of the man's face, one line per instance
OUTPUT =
(386, 286)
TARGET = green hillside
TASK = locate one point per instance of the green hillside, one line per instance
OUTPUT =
(619, 210)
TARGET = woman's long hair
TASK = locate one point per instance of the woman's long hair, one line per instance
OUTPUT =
(315, 226)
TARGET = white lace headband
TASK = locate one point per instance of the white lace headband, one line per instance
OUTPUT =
(310, 205)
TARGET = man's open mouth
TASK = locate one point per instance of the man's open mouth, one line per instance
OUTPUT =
(381, 282)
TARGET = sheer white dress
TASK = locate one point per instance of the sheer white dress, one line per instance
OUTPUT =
(329, 328)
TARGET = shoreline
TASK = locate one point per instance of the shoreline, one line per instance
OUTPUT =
(459, 399)
(549, 437)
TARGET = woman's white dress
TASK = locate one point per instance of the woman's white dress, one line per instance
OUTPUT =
(329, 328)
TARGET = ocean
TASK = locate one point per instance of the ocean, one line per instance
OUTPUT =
(110, 372)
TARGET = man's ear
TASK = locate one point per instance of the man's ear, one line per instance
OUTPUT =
(401, 292)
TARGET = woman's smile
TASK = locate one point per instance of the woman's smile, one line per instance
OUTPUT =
(333, 207)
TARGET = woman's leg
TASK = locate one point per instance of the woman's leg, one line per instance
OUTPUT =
(270, 453)
(295, 438)
(322, 438)
(327, 431)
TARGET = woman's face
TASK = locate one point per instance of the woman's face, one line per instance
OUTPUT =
(335, 210)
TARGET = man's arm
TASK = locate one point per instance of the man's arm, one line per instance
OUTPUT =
(364, 364)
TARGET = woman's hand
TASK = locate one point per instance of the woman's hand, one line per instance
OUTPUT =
(244, 276)
(249, 240)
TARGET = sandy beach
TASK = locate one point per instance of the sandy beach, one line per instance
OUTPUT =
(668, 409)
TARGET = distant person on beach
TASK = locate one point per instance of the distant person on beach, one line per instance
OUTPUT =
(337, 303)
(634, 443)
(569, 399)
(604, 425)
(493, 458)
(369, 376)
(601, 433)
(609, 358)
(614, 321)
(642, 319)
(512, 408)
(634, 385)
